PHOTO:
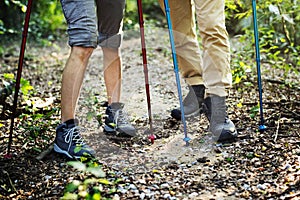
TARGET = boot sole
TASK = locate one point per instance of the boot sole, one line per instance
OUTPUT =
(110, 130)
(57, 149)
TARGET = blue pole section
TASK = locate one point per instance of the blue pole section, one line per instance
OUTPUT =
(167, 9)
(262, 127)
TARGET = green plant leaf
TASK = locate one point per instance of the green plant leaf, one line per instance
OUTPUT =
(89, 181)
(9, 76)
(77, 149)
(71, 187)
(68, 196)
(96, 196)
(104, 181)
(77, 165)
(96, 171)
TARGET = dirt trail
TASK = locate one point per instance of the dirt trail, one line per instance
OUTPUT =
(163, 92)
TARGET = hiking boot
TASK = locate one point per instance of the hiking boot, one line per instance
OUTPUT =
(69, 142)
(192, 103)
(220, 126)
(117, 121)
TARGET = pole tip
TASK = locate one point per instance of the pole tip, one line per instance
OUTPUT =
(262, 128)
(152, 138)
(187, 139)
(7, 156)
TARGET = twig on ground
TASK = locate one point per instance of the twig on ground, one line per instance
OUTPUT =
(45, 153)
(277, 128)
(10, 182)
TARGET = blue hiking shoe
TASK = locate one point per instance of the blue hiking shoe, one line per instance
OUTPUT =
(69, 142)
(117, 121)
(221, 127)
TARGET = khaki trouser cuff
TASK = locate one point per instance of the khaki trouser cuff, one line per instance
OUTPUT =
(194, 81)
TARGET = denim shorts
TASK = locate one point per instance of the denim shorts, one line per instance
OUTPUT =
(92, 23)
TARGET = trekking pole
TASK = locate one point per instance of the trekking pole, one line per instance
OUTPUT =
(144, 54)
(175, 63)
(262, 127)
(19, 73)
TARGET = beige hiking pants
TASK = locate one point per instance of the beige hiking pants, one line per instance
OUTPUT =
(214, 70)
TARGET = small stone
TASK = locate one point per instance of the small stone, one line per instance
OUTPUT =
(193, 195)
(261, 186)
(142, 196)
(164, 185)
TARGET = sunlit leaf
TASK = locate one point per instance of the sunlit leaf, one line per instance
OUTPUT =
(96, 196)
(239, 105)
(104, 181)
(71, 187)
(77, 165)
(9, 76)
(24, 8)
(89, 181)
(77, 149)
(274, 9)
(96, 171)
(68, 196)
(288, 19)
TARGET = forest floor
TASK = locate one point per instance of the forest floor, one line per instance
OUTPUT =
(258, 165)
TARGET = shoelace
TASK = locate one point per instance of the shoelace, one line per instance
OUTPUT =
(120, 117)
(72, 135)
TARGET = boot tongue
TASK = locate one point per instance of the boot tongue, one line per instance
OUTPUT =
(117, 105)
(199, 90)
(215, 109)
(71, 123)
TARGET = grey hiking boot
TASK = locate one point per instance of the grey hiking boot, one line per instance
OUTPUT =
(117, 121)
(192, 103)
(220, 126)
(69, 142)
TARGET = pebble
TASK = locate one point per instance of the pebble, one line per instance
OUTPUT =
(261, 187)
(142, 196)
(193, 195)
(116, 197)
(132, 187)
(155, 186)
(164, 185)
(122, 190)
(246, 186)
(142, 181)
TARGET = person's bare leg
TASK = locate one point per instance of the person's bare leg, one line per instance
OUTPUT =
(72, 80)
(112, 73)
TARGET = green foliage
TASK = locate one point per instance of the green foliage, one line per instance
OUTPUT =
(93, 184)
(36, 113)
(25, 86)
(254, 111)
(278, 23)
(46, 19)
(93, 105)
(151, 13)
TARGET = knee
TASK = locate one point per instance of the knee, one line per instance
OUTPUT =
(82, 52)
(111, 52)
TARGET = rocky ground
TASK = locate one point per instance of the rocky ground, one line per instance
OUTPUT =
(258, 165)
